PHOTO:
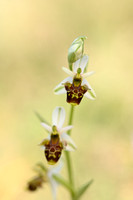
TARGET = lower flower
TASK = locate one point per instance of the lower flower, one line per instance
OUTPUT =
(45, 175)
(57, 139)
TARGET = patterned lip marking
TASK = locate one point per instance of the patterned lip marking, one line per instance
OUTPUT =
(53, 149)
(75, 92)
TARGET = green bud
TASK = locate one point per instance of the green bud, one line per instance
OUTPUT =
(76, 50)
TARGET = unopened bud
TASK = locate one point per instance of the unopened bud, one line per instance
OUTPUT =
(76, 50)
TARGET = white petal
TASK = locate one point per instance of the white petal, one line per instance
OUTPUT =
(54, 190)
(53, 184)
(54, 170)
(81, 63)
(60, 86)
(69, 72)
(58, 117)
(89, 96)
(70, 143)
(69, 148)
(91, 92)
(65, 129)
(76, 66)
(57, 168)
(87, 74)
(42, 147)
(47, 127)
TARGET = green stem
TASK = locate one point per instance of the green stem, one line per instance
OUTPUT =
(62, 181)
(68, 158)
(70, 118)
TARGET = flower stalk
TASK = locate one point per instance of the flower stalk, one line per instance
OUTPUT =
(71, 118)
(68, 157)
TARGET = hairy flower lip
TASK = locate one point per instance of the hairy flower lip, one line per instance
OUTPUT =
(75, 93)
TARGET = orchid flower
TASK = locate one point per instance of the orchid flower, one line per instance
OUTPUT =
(76, 86)
(57, 139)
(43, 176)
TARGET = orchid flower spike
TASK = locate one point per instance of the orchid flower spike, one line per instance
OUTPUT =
(76, 86)
(57, 139)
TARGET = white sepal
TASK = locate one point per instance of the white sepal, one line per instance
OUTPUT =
(60, 86)
(70, 143)
(54, 171)
(42, 147)
(47, 127)
(89, 96)
(81, 63)
(69, 148)
(85, 75)
(53, 184)
(68, 71)
(65, 129)
(58, 117)
(90, 91)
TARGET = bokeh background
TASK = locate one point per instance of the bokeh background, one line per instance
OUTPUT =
(34, 39)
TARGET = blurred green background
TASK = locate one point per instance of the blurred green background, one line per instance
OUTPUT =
(34, 39)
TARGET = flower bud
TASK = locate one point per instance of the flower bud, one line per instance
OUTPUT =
(76, 50)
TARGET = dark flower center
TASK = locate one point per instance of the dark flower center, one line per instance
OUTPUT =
(75, 91)
(53, 149)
